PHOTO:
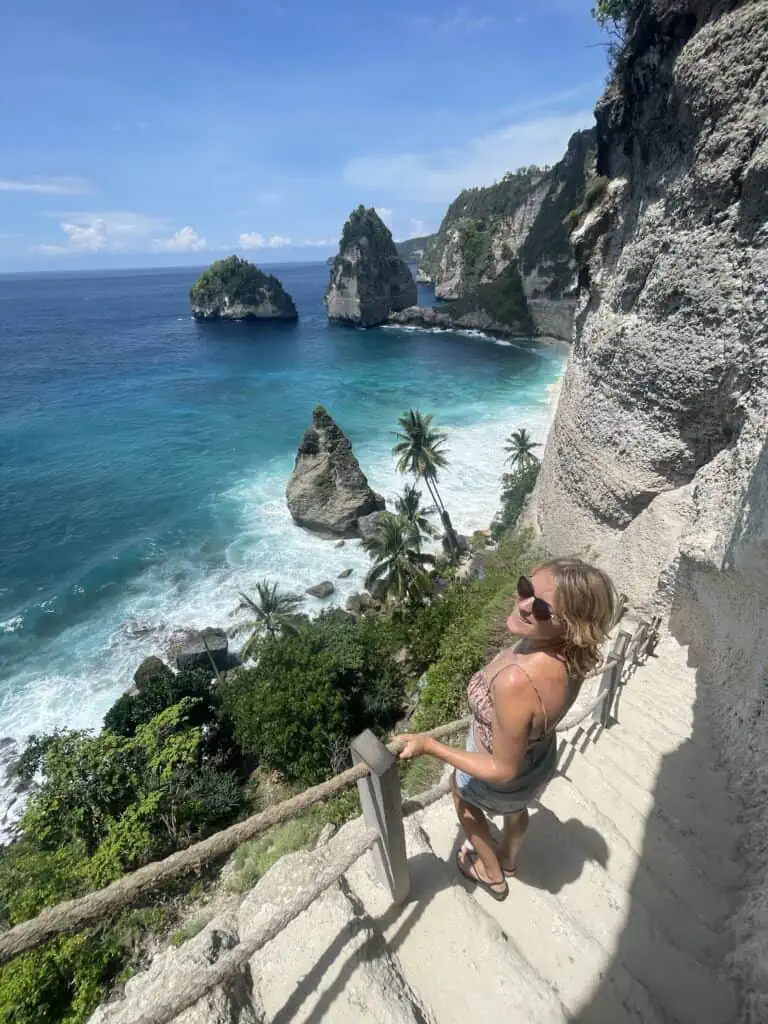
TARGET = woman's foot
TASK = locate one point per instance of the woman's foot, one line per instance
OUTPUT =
(471, 867)
(507, 866)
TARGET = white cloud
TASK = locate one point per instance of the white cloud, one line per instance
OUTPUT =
(438, 176)
(47, 186)
(460, 20)
(119, 231)
(186, 239)
(250, 240)
(386, 215)
(253, 240)
(319, 242)
(418, 228)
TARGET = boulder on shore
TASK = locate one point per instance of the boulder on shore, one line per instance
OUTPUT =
(321, 590)
(368, 279)
(195, 649)
(234, 289)
(149, 669)
(359, 604)
(368, 525)
(345, 574)
(328, 492)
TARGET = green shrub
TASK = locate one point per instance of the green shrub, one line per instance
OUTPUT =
(516, 488)
(133, 710)
(310, 693)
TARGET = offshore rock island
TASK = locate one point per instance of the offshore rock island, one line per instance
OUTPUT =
(369, 280)
(234, 289)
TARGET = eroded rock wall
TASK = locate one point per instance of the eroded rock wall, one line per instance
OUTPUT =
(657, 459)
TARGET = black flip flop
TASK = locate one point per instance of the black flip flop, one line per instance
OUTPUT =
(473, 876)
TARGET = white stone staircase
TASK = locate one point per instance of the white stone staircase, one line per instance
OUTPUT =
(617, 913)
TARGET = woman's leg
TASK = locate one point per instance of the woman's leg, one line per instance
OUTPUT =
(515, 827)
(476, 828)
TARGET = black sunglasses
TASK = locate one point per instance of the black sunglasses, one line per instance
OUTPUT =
(542, 611)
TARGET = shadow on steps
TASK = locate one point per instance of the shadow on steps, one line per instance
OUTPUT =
(685, 990)
(427, 879)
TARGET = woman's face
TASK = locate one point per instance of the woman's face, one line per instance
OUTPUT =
(522, 621)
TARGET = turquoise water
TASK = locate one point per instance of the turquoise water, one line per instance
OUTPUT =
(145, 457)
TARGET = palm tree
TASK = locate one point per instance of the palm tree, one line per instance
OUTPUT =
(420, 450)
(399, 567)
(409, 509)
(273, 612)
(519, 449)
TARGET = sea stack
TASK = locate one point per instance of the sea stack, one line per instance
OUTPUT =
(234, 289)
(328, 492)
(368, 279)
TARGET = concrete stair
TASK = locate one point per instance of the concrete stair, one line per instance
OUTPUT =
(616, 914)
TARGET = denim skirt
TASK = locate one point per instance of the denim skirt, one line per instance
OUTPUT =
(538, 767)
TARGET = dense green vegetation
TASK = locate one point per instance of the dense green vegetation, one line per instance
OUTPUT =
(413, 249)
(239, 280)
(364, 222)
(182, 758)
(503, 299)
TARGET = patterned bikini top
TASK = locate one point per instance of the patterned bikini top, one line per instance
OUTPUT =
(480, 696)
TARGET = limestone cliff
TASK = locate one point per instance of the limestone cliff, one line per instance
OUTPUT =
(328, 492)
(234, 289)
(517, 221)
(658, 456)
(368, 278)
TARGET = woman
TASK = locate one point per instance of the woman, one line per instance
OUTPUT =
(562, 616)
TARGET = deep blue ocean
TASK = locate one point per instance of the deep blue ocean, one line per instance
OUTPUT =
(144, 457)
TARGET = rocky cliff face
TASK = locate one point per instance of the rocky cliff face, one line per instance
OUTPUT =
(520, 220)
(234, 289)
(368, 279)
(658, 457)
(328, 492)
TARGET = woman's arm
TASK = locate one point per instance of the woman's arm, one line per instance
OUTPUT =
(511, 730)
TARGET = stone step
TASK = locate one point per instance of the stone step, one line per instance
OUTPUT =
(668, 847)
(677, 721)
(670, 896)
(329, 963)
(660, 730)
(453, 956)
(560, 946)
(642, 760)
(688, 991)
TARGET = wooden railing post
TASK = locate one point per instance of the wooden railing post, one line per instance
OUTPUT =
(383, 810)
(612, 675)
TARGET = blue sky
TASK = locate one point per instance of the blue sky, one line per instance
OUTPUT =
(165, 132)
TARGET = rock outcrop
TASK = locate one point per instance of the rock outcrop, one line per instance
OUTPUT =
(517, 222)
(198, 649)
(234, 289)
(498, 308)
(328, 492)
(658, 456)
(369, 280)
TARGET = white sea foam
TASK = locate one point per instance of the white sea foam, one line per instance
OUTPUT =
(94, 662)
(12, 625)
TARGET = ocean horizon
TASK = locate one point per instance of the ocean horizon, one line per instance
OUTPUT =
(145, 458)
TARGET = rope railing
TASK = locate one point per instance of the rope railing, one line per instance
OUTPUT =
(132, 888)
(135, 887)
(326, 875)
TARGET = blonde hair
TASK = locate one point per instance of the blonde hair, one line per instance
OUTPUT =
(585, 600)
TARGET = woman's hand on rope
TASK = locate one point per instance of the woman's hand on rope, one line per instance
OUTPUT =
(415, 744)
